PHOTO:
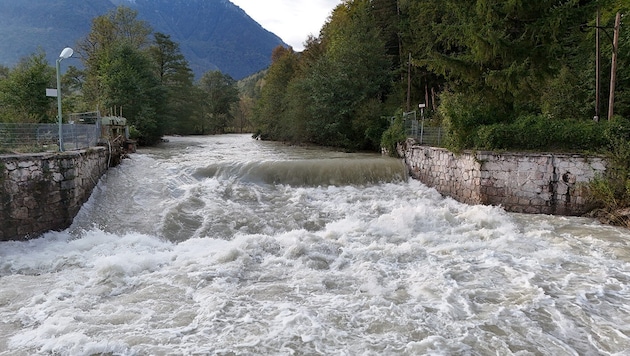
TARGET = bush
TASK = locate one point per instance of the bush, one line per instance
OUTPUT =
(537, 132)
(463, 114)
(394, 135)
(612, 191)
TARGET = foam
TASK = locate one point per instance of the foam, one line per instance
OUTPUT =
(390, 268)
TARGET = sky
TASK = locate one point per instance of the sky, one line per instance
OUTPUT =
(291, 20)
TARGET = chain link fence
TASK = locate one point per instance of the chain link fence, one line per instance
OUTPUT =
(45, 137)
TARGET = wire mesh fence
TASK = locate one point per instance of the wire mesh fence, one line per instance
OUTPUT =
(45, 137)
(423, 133)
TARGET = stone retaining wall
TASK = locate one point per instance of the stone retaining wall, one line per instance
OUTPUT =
(44, 191)
(519, 182)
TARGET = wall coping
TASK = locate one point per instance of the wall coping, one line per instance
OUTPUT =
(48, 155)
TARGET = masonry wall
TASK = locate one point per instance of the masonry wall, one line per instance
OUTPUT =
(519, 182)
(43, 192)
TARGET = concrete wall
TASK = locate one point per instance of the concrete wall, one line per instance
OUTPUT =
(44, 191)
(520, 182)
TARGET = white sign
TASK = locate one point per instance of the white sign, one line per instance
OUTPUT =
(51, 92)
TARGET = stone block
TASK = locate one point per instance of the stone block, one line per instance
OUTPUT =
(26, 164)
(11, 166)
(70, 174)
(68, 184)
(20, 213)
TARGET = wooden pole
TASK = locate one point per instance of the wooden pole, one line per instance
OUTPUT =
(426, 94)
(613, 68)
(409, 84)
(597, 68)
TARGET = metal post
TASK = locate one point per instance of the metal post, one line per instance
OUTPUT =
(66, 53)
(59, 117)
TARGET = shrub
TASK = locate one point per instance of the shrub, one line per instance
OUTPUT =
(537, 132)
(463, 114)
(612, 191)
(393, 135)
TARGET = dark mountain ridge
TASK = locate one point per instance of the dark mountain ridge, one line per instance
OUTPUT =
(212, 34)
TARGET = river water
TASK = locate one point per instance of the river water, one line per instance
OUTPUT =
(230, 246)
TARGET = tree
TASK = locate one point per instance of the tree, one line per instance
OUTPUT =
(22, 93)
(128, 81)
(220, 94)
(119, 73)
(176, 78)
(118, 26)
(270, 108)
(354, 73)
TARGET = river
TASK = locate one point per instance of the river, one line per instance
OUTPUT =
(226, 245)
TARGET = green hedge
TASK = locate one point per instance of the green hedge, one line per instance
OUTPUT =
(536, 132)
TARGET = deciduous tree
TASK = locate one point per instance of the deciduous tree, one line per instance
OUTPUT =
(220, 94)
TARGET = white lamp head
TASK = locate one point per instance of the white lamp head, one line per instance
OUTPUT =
(66, 53)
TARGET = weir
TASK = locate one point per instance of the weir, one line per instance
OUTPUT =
(311, 172)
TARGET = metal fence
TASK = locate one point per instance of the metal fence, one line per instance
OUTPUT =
(45, 137)
(421, 131)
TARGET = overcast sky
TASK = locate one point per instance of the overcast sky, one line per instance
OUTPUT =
(291, 20)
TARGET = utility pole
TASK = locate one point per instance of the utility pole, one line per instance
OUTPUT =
(613, 67)
(409, 83)
(597, 68)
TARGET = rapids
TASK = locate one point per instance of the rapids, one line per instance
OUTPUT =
(226, 245)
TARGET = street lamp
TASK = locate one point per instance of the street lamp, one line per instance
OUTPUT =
(66, 53)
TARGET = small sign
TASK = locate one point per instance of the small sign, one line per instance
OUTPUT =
(51, 92)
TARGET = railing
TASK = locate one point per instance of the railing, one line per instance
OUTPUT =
(45, 137)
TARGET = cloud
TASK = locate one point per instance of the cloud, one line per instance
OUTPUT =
(291, 20)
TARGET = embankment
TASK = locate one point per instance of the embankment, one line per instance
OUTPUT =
(44, 191)
(537, 183)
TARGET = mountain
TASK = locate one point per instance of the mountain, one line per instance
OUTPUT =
(212, 34)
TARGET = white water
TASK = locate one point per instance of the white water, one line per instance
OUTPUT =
(229, 246)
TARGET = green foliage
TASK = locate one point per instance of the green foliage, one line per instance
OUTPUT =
(560, 99)
(537, 132)
(394, 135)
(332, 94)
(175, 76)
(22, 92)
(270, 108)
(220, 95)
(127, 81)
(612, 191)
(120, 72)
(463, 114)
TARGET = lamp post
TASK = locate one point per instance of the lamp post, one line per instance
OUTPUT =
(66, 53)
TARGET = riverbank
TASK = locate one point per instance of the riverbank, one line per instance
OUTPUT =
(44, 191)
(535, 183)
